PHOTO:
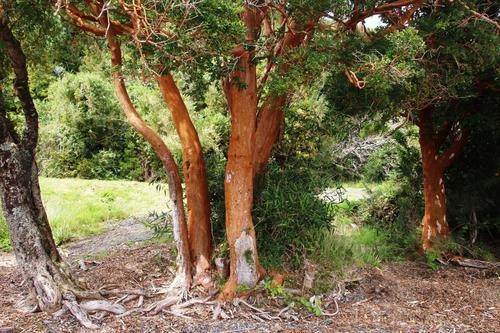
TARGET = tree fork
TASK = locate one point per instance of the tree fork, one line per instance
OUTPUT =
(272, 112)
(199, 234)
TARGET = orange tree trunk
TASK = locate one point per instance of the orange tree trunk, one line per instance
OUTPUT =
(434, 223)
(434, 164)
(199, 235)
(269, 122)
(173, 177)
(195, 175)
(240, 90)
(272, 112)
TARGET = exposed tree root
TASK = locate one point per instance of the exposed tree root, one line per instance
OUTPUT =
(99, 305)
(80, 314)
(27, 305)
(474, 263)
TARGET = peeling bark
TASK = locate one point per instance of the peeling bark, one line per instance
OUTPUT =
(183, 277)
(434, 223)
(195, 176)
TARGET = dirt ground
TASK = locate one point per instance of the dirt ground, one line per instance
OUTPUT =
(400, 297)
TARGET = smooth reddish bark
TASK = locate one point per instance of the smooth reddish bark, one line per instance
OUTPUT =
(241, 92)
(171, 169)
(195, 177)
(194, 239)
(434, 164)
(271, 114)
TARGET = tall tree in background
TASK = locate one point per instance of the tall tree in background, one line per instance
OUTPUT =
(458, 63)
(432, 76)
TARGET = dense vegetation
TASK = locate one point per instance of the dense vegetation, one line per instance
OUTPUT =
(362, 127)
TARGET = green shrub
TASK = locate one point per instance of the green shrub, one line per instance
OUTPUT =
(380, 164)
(287, 214)
(84, 133)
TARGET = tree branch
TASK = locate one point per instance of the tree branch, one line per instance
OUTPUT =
(82, 21)
(359, 16)
(480, 16)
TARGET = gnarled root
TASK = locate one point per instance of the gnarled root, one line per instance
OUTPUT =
(58, 298)
(80, 314)
(176, 292)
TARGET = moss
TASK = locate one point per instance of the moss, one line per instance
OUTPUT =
(249, 257)
(242, 289)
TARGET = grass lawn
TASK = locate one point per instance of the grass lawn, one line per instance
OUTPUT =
(79, 207)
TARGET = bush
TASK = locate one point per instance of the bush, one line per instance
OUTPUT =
(381, 163)
(84, 133)
(287, 214)
(384, 226)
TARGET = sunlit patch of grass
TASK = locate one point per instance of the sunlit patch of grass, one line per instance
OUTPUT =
(4, 235)
(78, 207)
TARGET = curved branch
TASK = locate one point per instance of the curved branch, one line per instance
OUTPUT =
(83, 21)
(174, 181)
(359, 16)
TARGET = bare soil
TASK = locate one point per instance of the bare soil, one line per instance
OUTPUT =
(400, 297)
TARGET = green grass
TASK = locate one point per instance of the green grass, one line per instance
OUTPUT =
(78, 208)
(351, 240)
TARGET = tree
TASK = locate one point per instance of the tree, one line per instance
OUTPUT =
(287, 33)
(432, 75)
(455, 65)
(236, 39)
(194, 238)
(49, 280)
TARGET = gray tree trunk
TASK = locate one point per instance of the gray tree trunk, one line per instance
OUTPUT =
(45, 274)
(34, 247)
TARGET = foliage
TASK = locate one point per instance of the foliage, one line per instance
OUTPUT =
(76, 140)
(307, 124)
(396, 207)
(381, 163)
(4, 235)
(473, 182)
(287, 210)
(378, 228)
